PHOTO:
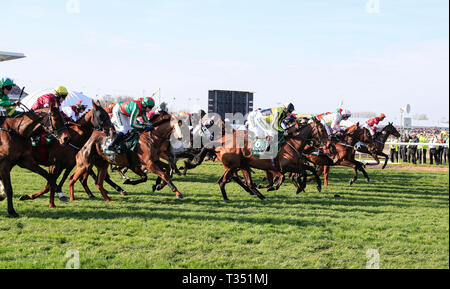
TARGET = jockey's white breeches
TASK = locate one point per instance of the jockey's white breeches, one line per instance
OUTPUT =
(322, 121)
(365, 125)
(259, 126)
(120, 121)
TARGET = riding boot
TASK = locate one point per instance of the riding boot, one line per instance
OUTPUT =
(131, 162)
(116, 141)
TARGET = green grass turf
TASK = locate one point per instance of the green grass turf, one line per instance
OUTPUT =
(402, 214)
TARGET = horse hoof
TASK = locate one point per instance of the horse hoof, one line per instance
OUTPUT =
(319, 189)
(368, 181)
(13, 215)
(180, 197)
(64, 199)
(123, 193)
(24, 198)
(127, 182)
(337, 196)
(265, 199)
(271, 189)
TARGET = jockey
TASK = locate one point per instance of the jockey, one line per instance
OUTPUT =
(55, 98)
(125, 115)
(332, 121)
(270, 122)
(75, 111)
(6, 86)
(372, 124)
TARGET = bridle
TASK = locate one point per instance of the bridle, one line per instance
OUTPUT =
(46, 123)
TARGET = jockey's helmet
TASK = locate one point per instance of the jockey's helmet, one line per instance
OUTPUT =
(5, 82)
(61, 92)
(346, 113)
(289, 107)
(382, 115)
(148, 101)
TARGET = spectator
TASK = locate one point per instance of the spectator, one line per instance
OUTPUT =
(433, 153)
(445, 156)
(412, 151)
(394, 150)
(403, 148)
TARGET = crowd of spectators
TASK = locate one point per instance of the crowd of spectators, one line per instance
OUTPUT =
(425, 146)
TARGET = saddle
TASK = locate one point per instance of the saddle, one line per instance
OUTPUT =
(43, 142)
(128, 144)
(261, 146)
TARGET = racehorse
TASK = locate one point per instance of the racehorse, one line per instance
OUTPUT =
(345, 154)
(63, 157)
(147, 155)
(380, 141)
(288, 159)
(15, 145)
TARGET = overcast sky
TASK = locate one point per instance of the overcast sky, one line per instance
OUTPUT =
(314, 53)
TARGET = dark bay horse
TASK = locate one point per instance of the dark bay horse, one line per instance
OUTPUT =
(63, 157)
(379, 140)
(16, 149)
(344, 154)
(289, 158)
(147, 155)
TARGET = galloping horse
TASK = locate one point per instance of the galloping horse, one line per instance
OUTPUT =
(345, 153)
(147, 155)
(16, 149)
(289, 158)
(379, 141)
(63, 157)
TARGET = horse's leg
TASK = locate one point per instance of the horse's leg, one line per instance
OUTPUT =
(292, 177)
(315, 175)
(301, 182)
(270, 179)
(155, 169)
(238, 180)
(166, 168)
(326, 174)
(54, 171)
(77, 175)
(353, 165)
(223, 182)
(102, 172)
(84, 182)
(5, 175)
(248, 178)
(114, 185)
(138, 171)
(281, 179)
(386, 160)
(360, 167)
(157, 184)
(30, 164)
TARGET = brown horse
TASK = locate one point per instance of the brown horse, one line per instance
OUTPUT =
(147, 155)
(345, 154)
(16, 149)
(63, 157)
(288, 159)
(380, 141)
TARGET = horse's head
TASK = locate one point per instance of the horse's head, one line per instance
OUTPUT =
(53, 123)
(319, 133)
(391, 130)
(100, 119)
(165, 124)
